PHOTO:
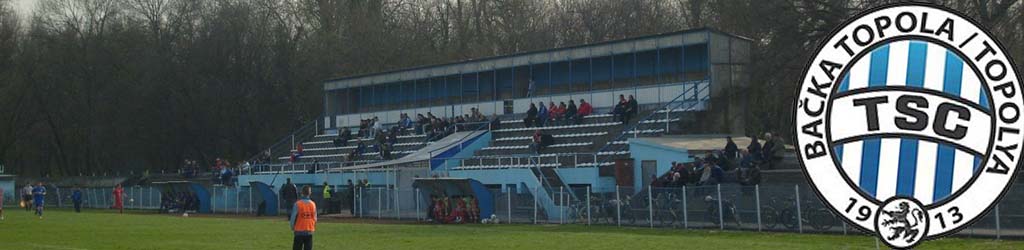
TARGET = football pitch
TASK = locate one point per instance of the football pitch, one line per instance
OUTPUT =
(62, 229)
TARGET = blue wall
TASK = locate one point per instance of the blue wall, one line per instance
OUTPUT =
(641, 150)
(375, 178)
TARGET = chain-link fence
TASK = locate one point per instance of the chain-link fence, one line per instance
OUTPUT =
(724, 207)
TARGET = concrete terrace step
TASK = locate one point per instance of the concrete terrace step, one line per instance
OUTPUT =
(548, 165)
(393, 153)
(645, 131)
(576, 144)
(572, 135)
(591, 116)
(591, 125)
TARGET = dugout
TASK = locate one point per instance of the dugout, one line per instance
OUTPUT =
(267, 199)
(198, 192)
(450, 187)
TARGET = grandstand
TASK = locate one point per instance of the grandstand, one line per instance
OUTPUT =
(685, 83)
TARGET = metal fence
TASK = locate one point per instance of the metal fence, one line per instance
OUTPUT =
(724, 207)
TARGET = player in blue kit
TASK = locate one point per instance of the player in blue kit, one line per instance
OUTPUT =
(38, 195)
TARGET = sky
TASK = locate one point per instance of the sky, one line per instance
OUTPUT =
(24, 7)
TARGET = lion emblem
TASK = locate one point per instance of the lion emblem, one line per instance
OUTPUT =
(903, 222)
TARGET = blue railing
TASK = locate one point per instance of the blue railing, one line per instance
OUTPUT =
(287, 143)
(675, 103)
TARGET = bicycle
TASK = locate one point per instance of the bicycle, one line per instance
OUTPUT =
(728, 214)
(667, 209)
(817, 217)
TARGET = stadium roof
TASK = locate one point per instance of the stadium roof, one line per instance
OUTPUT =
(691, 36)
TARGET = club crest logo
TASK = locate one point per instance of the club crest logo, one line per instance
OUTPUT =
(908, 122)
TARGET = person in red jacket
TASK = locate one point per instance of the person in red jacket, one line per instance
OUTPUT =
(119, 198)
(584, 110)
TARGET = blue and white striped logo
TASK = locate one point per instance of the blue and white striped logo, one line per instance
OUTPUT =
(908, 122)
(924, 166)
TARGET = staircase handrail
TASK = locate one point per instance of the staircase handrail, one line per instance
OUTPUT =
(697, 87)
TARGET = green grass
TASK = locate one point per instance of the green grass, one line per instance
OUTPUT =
(104, 230)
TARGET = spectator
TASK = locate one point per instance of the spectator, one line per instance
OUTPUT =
(364, 125)
(706, 175)
(392, 138)
(531, 116)
(296, 156)
(772, 150)
(584, 110)
(530, 88)
(405, 122)
(477, 116)
(730, 148)
(344, 136)
(358, 151)
(351, 198)
(620, 109)
(553, 112)
(378, 127)
(746, 159)
(570, 111)
(289, 193)
(632, 108)
(541, 141)
(542, 115)
(749, 176)
(303, 219)
(495, 122)
(420, 122)
(683, 175)
(227, 175)
(754, 148)
(562, 109)
(379, 141)
(385, 151)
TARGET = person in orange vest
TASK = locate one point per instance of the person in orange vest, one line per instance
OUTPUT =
(303, 220)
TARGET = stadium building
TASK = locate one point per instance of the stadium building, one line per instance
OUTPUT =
(689, 86)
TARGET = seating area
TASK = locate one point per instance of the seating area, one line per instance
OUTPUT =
(593, 141)
(574, 145)
(322, 148)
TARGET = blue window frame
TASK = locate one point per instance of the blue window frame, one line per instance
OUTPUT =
(470, 89)
(646, 61)
(581, 75)
(505, 84)
(695, 61)
(486, 83)
(561, 75)
(602, 72)
(670, 64)
(541, 79)
(624, 70)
